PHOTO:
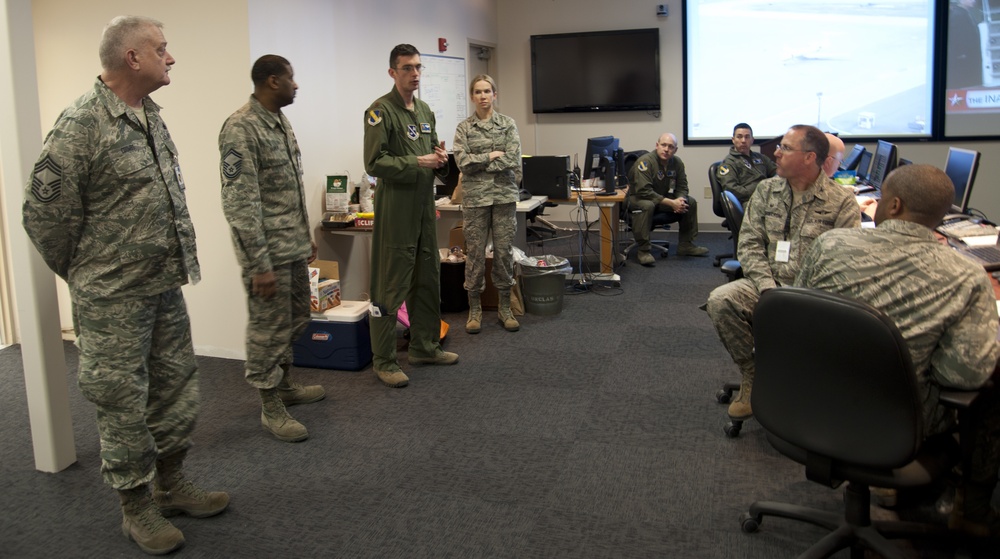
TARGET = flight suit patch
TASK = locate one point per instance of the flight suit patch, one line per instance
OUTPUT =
(425, 127)
(411, 131)
(643, 166)
(374, 117)
(723, 170)
(232, 164)
(46, 181)
(659, 175)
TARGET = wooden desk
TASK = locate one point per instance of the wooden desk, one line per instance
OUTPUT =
(451, 214)
(608, 206)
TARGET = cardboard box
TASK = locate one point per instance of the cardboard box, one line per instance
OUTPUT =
(336, 339)
(324, 285)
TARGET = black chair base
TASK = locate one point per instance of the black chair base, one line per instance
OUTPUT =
(719, 258)
(854, 529)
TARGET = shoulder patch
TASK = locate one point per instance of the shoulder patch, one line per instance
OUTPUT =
(723, 170)
(232, 164)
(643, 166)
(46, 181)
(374, 117)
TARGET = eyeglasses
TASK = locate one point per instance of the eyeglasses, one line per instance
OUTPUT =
(786, 148)
(410, 68)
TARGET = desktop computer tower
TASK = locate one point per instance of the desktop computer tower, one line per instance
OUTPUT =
(547, 175)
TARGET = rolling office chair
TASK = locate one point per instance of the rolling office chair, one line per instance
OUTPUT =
(853, 415)
(713, 180)
(625, 214)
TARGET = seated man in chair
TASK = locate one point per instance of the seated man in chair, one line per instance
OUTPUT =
(658, 184)
(943, 305)
(785, 214)
(742, 168)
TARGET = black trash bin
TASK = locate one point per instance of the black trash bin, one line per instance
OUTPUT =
(543, 283)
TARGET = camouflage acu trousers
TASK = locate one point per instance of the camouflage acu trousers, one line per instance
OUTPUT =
(730, 306)
(137, 366)
(501, 220)
(275, 323)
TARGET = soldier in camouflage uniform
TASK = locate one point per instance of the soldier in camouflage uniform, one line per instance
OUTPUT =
(943, 305)
(742, 168)
(106, 209)
(402, 150)
(264, 203)
(785, 214)
(658, 184)
(488, 152)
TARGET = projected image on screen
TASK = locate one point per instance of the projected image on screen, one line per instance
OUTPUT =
(862, 69)
(972, 78)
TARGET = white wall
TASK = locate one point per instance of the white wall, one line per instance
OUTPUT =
(567, 133)
(339, 50)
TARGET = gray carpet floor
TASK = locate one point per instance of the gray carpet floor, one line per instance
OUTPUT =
(591, 433)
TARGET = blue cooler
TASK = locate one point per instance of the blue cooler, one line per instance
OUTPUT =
(336, 339)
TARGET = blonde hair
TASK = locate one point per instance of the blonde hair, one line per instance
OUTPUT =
(482, 78)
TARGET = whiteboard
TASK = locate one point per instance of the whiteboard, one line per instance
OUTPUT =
(443, 87)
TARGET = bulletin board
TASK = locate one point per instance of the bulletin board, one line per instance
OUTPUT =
(442, 86)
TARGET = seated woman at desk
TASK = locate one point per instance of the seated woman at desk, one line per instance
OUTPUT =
(488, 153)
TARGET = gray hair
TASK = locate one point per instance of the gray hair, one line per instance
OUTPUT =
(121, 34)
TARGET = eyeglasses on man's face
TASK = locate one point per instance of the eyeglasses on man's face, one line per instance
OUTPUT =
(783, 147)
(410, 68)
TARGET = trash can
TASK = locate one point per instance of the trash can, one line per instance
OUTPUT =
(543, 282)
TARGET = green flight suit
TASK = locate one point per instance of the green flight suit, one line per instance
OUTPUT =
(405, 262)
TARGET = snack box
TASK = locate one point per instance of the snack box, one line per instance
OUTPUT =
(336, 339)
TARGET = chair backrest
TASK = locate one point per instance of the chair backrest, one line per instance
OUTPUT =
(834, 377)
(713, 181)
(732, 210)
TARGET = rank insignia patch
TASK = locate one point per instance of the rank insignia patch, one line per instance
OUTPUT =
(232, 164)
(46, 181)
(374, 117)
(723, 170)
(411, 131)
(425, 127)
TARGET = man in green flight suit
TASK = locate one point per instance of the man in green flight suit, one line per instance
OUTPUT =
(743, 168)
(658, 184)
(402, 150)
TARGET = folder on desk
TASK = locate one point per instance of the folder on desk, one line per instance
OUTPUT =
(547, 175)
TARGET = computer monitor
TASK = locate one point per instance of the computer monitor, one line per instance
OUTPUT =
(961, 167)
(597, 147)
(851, 161)
(883, 163)
(864, 162)
(448, 183)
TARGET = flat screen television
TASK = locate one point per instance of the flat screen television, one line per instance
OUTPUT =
(961, 167)
(596, 71)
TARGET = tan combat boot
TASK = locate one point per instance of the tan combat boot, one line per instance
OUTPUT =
(740, 409)
(274, 417)
(174, 494)
(293, 393)
(504, 314)
(475, 322)
(143, 523)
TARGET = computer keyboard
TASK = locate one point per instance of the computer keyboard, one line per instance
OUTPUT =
(988, 256)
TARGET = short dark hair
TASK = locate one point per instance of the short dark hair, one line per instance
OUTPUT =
(814, 140)
(926, 191)
(401, 50)
(742, 125)
(267, 66)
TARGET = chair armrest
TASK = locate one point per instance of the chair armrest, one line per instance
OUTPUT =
(957, 399)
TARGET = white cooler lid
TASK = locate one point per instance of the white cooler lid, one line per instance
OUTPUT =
(346, 311)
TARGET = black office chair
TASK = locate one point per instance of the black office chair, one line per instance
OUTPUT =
(537, 228)
(733, 211)
(660, 222)
(846, 410)
(713, 181)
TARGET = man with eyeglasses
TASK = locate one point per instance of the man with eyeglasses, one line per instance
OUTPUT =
(658, 184)
(743, 169)
(785, 215)
(402, 150)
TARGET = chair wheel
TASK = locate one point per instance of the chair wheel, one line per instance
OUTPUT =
(724, 396)
(733, 428)
(748, 523)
